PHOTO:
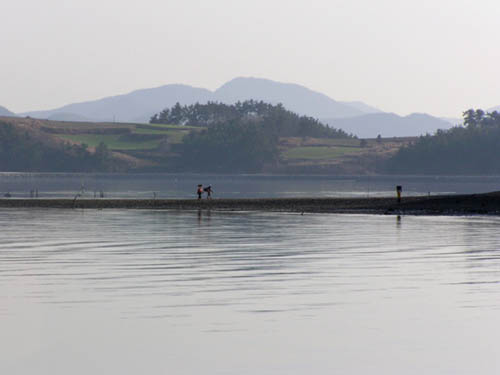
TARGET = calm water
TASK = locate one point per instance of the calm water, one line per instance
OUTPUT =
(53, 185)
(165, 292)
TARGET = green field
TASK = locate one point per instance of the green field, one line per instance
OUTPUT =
(320, 152)
(166, 126)
(111, 125)
(173, 133)
(346, 142)
(111, 140)
(174, 136)
(153, 131)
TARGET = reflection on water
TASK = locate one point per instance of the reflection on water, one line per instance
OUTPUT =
(211, 292)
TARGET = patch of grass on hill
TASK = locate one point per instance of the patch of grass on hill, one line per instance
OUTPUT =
(111, 140)
(319, 152)
(85, 125)
(341, 142)
(152, 131)
(173, 133)
(174, 136)
(166, 126)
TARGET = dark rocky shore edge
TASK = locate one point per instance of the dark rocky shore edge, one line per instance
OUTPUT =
(473, 204)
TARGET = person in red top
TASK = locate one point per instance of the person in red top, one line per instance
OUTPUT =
(199, 191)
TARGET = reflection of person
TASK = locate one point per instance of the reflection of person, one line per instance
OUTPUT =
(209, 191)
(199, 191)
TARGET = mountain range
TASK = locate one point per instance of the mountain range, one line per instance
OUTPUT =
(296, 98)
(5, 112)
(137, 106)
(357, 117)
(140, 105)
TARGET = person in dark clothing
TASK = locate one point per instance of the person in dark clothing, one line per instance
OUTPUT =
(199, 191)
(209, 191)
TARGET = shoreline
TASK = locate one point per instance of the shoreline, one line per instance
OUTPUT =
(470, 204)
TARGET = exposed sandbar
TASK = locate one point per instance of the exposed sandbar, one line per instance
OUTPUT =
(435, 205)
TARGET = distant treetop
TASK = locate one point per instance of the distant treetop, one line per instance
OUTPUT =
(470, 149)
(275, 117)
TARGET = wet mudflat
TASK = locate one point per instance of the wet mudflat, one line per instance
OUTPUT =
(488, 203)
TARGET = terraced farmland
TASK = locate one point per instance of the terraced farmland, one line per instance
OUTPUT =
(113, 141)
(346, 156)
(319, 152)
(150, 146)
(120, 137)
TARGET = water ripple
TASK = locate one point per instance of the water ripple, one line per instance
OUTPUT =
(137, 258)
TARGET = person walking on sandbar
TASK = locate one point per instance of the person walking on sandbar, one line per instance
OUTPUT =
(199, 191)
(209, 191)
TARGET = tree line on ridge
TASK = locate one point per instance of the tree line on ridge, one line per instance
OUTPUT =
(240, 137)
(470, 149)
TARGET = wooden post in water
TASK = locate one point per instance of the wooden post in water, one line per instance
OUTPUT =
(399, 190)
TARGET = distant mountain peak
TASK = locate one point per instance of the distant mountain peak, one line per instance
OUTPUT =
(136, 106)
(294, 97)
(261, 81)
(5, 112)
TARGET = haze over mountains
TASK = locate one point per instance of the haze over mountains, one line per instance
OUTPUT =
(354, 117)
(140, 105)
(137, 106)
(389, 125)
(5, 112)
(295, 98)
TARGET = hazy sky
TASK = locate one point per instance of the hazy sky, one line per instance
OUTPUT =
(403, 56)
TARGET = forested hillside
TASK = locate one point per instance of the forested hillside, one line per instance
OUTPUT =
(275, 117)
(472, 149)
(239, 137)
(23, 149)
(251, 140)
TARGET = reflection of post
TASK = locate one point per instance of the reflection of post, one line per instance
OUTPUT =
(398, 221)
(399, 189)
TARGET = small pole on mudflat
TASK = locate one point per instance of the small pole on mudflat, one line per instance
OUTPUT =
(399, 190)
